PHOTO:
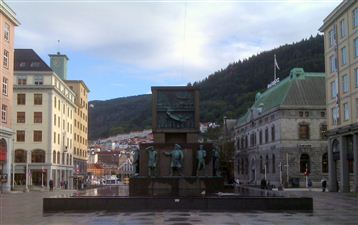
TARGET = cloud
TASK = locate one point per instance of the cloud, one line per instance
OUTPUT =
(185, 41)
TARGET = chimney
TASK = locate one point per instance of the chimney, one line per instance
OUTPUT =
(58, 64)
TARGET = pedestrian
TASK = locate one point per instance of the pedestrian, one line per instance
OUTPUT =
(66, 184)
(309, 184)
(324, 185)
(62, 184)
(51, 185)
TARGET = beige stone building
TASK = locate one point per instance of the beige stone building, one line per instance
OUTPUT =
(44, 110)
(80, 135)
(341, 64)
(8, 22)
(282, 134)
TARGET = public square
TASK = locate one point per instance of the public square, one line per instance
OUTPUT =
(329, 208)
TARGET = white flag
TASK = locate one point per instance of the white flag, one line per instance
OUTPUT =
(276, 64)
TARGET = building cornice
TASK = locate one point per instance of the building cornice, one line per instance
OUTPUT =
(8, 12)
(343, 130)
(341, 8)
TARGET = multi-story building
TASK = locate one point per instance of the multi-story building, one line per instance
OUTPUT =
(341, 59)
(8, 22)
(80, 135)
(44, 110)
(281, 137)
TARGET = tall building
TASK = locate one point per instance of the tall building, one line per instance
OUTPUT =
(281, 137)
(341, 64)
(80, 135)
(44, 110)
(8, 22)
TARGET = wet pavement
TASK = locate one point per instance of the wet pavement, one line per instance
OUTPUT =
(329, 208)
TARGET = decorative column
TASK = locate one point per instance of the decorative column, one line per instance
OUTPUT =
(332, 174)
(355, 165)
(344, 187)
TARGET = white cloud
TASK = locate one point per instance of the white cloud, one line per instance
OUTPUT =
(182, 43)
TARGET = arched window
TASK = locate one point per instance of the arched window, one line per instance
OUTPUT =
(67, 159)
(305, 163)
(58, 157)
(266, 135)
(238, 143)
(261, 165)
(325, 163)
(273, 163)
(267, 164)
(273, 133)
(54, 156)
(70, 159)
(3, 150)
(38, 156)
(20, 156)
(63, 158)
(238, 166)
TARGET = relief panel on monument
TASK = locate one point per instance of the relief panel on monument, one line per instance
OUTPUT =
(175, 110)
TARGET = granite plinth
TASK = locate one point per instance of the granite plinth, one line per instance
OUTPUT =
(175, 186)
(135, 204)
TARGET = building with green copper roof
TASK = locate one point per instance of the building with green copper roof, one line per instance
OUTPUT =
(285, 125)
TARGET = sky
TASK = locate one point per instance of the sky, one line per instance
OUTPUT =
(122, 48)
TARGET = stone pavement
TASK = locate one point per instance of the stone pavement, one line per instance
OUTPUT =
(329, 208)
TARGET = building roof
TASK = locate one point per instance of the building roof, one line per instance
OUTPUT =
(299, 89)
(29, 60)
(8, 12)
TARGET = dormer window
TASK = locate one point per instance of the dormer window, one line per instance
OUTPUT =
(22, 64)
(35, 64)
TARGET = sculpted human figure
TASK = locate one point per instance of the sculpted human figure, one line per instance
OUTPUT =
(200, 156)
(152, 161)
(136, 160)
(177, 157)
(216, 161)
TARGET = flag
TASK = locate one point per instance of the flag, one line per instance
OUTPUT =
(276, 64)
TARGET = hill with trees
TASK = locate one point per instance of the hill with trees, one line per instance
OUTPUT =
(227, 92)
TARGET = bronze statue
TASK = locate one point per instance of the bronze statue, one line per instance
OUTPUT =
(200, 156)
(136, 160)
(152, 161)
(216, 161)
(177, 157)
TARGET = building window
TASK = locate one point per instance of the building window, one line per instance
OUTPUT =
(304, 131)
(332, 38)
(54, 156)
(261, 165)
(37, 117)
(355, 17)
(238, 144)
(21, 99)
(273, 133)
(333, 63)
(21, 80)
(343, 28)
(345, 83)
(7, 32)
(37, 135)
(252, 140)
(260, 137)
(334, 91)
(58, 157)
(21, 117)
(356, 107)
(273, 163)
(38, 80)
(335, 115)
(344, 55)
(5, 83)
(20, 156)
(266, 135)
(54, 137)
(323, 114)
(323, 131)
(307, 114)
(300, 114)
(346, 111)
(304, 163)
(356, 47)
(38, 99)
(325, 163)
(20, 136)
(5, 62)
(4, 113)
(38, 156)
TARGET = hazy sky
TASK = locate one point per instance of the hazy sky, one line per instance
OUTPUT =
(122, 48)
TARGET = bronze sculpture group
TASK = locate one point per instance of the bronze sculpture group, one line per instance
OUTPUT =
(177, 158)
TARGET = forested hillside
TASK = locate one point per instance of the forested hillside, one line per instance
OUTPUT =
(228, 92)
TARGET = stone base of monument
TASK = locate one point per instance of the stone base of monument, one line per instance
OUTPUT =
(135, 204)
(175, 186)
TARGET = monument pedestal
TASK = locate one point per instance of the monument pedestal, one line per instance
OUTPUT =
(175, 186)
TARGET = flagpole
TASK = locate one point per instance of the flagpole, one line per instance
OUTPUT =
(274, 67)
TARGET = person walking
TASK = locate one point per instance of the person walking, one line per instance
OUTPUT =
(309, 184)
(324, 185)
(51, 185)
